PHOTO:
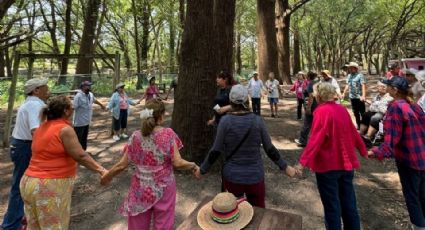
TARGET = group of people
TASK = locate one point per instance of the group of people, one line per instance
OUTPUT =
(46, 151)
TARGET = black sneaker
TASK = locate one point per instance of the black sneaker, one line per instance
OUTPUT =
(299, 143)
(367, 141)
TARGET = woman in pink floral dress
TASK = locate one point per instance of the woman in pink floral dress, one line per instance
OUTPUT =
(154, 150)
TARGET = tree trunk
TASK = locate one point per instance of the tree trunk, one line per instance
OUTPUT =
(2, 64)
(284, 53)
(267, 44)
(224, 21)
(196, 80)
(297, 52)
(172, 40)
(84, 65)
(238, 54)
(67, 46)
(182, 12)
(136, 35)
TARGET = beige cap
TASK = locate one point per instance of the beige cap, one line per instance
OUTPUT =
(34, 83)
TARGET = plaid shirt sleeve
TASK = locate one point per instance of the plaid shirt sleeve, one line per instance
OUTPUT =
(393, 130)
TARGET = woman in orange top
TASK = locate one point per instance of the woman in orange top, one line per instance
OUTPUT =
(47, 184)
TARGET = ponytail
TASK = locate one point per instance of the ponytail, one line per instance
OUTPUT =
(151, 115)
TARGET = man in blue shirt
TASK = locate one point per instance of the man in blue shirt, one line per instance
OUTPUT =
(356, 86)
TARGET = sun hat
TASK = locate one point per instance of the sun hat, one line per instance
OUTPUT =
(150, 78)
(120, 85)
(397, 82)
(353, 64)
(225, 212)
(326, 72)
(238, 94)
(254, 73)
(34, 83)
(85, 83)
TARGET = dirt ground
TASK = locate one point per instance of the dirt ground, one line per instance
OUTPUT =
(378, 189)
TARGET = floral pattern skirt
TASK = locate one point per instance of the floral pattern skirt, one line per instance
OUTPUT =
(47, 202)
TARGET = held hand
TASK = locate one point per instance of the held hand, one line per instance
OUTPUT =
(290, 171)
(362, 98)
(211, 122)
(197, 172)
(370, 154)
(105, 179)
(299, 170)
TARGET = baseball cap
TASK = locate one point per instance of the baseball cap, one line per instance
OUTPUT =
(397, 82)
(85, 83)
(34, 83)
(238, 94)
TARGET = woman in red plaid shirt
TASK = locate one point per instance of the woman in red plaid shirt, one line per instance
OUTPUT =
(404, 127)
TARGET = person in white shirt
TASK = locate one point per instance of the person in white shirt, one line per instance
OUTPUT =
(83, 110)
(27, 120)
(255, 87)
(327, 77)
(272, 86)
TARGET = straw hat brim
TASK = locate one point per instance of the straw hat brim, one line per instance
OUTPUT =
(246, 212)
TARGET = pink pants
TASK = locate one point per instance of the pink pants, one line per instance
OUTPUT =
(163, 213)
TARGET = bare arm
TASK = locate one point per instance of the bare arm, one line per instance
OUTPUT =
(180, 163)
(363, 98)
(100, 104)
(345, 91)
(74, 149)
(115, 170)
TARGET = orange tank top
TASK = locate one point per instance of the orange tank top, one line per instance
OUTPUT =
(49, 159)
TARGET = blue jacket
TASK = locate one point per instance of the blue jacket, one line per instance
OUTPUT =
(114, 104)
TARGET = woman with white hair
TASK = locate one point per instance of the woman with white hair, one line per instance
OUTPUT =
(331, 154)
(421, 79)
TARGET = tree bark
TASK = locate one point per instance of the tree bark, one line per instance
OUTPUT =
(238, 54)
(136, 35)
(267, 44)
(84, 65)
(224, 21)
(172, 40)
(196, 80)
(67, 46)
(297, 52)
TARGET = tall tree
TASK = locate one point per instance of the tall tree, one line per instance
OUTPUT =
(224, 24)
(4, 6)
(84, 65)
(285, 10)
(267, 44)
(68, 37)
(196, 80)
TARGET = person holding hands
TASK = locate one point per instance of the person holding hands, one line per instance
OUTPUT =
(331, 154)
(154, 150)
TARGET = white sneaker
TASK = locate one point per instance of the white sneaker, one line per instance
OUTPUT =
(116, 138)
(124, 135)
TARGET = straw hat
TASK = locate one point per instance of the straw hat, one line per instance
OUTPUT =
(120, 85)
(327, 73)
(224, 213)
(353, 64)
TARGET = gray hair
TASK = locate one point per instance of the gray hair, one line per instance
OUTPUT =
(325, 91)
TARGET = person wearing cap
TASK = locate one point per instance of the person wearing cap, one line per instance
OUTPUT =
(27, 121)
(332, 154)
(356, 88)
(298, 87)
(377, 109)
(415, 86)
(272, 86)
(239, 137)
(327, 77)
(394, 70)
(404, 140)
(120, 105)
(152, 91)
(255, 88)
(83, 110)
(421, 79)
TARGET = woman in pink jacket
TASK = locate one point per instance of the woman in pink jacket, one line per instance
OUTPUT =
(331, 154)
(298, 87)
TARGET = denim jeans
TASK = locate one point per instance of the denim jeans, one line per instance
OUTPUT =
(20, 153)
(339, 199)
(413, 186)
(256, 105)
(305, 130)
